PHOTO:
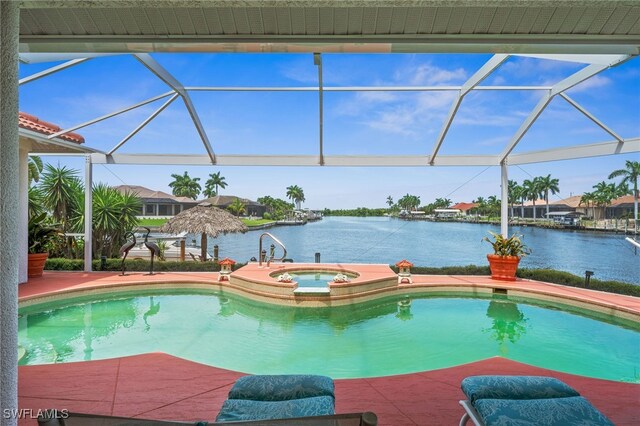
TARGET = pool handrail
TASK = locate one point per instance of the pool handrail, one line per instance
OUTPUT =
(271, 258)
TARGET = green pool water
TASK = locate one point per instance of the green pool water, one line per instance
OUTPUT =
(378, 338)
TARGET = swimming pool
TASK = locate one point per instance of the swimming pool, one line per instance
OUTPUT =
(383, 337)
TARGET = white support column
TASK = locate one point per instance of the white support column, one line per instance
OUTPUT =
(88, 213)
(23, 214)
(317, 60)
(9, 224)
(504, 199)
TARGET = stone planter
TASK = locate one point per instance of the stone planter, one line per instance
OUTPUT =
(36, 264)
(503, 268)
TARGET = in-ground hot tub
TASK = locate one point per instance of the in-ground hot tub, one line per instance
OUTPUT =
(313, 283)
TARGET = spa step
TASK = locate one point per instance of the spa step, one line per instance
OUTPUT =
(312, 291)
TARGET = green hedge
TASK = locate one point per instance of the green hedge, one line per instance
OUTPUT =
(547, 275)
(134, 265)
(565, 278)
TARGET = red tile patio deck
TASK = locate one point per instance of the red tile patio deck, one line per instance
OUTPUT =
(160, 386)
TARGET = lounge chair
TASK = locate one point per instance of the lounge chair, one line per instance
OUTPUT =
(526, 400)
(263, 397)
(77, 419)
(267, 400)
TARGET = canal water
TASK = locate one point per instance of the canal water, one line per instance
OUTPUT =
(434, 244)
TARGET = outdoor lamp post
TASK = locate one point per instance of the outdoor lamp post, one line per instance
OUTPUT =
(404, 272)
(226, 265)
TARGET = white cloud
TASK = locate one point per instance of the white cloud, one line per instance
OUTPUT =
(400, 120)
(300, 71)
(595, 82)
(428, 74)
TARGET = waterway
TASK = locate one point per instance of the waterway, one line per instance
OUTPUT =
(388, 240)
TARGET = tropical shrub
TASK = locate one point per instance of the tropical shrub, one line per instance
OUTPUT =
(41, 234)
(136, 265)
(61, 193)
(511, 246)
(114, 215)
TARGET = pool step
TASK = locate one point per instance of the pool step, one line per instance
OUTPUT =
(312, 291)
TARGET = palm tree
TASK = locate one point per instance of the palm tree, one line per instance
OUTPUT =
(532, 191)
(546, 185)
(61, 188)
(185, 186)
(630, 175)
(237, 207)
(586, 199)
(214, 182)
(35, 168)
(603, 195)
(389, 201)
(36, 202)
(409, 202)
(442, 203)
(513, 193)
(482, 205)
(114, 215)
(493, 202)
(295, 194)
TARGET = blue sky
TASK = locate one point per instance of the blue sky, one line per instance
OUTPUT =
(375, 123)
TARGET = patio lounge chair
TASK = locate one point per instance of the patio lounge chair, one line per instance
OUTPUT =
(77, 419)
(262, 397)
(526, 400)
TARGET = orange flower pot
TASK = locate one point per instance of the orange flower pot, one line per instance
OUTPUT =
(36, 264)
(503, 268)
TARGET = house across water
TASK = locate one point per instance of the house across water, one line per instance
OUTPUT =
(158, 203)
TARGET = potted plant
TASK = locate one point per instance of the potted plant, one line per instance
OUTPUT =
(506, 256)
(41, 234)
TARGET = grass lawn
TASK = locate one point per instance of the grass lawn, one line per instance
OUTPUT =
(160, 222)
(152, 222)
(256, 222)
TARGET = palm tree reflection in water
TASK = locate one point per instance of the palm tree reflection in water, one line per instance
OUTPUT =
(508, 322)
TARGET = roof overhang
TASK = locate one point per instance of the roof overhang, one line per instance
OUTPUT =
(356, 26)
(38, 143)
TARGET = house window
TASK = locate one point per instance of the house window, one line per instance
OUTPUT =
(164, 210)
(150, 209)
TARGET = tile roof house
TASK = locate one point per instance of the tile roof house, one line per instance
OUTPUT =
(158, 203)
(465, 208)
(31, 122)
(618, 207)
(252, 208)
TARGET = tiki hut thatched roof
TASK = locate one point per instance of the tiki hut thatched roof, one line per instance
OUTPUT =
(204, 219)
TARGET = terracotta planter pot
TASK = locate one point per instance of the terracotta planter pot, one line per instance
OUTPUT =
(503, 267)
(36, 264)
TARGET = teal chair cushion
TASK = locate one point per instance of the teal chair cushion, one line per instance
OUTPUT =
(281, 387)
(515, 387)
(244, 410)
(573, 410)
